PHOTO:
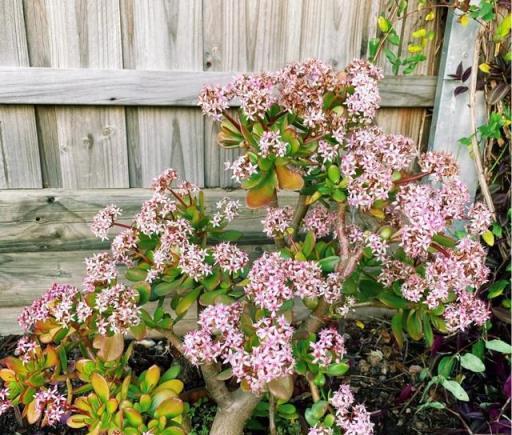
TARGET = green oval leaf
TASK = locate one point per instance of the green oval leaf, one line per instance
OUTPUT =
(472, 362)
(456, 389)
(498, 346)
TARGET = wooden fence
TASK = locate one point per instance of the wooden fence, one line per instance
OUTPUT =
(98, 96)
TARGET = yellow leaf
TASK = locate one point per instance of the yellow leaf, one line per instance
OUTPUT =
(7, 375)
(384, 24)
(420, 33)
(33, 412)
(174, 384)
(464, 20)
(375, 212)
(359, 324)
(313, 198)
(77, 421)
(133, 416)
(488, 237)
(169, 408)
(485, 68)
(151, 378)
(289, 179)
(413, 48)
(100, 386)
(430, 16)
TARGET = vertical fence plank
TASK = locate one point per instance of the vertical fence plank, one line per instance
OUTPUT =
(83, 147)
(451, 119)
(163, 35)
(19, 152)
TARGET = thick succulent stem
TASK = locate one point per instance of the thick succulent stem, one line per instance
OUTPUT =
(300, 211)
(217, 389)
(231, 418)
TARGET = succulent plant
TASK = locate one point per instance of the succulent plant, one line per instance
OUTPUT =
(148, 403)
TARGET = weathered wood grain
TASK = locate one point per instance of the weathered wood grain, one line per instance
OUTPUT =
(56, 219)
(163, 35)
(83, 147)
(400, 121)
(19, 152)
(63, 86)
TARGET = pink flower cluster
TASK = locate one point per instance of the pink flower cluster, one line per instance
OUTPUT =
(227, 210)
(104, 220)
(5, 403)
(272, 358)
(100, 269)
(255, 92)
(52, 404)
(274, 280)
(480, 219)
(219, 338)
(353, 418)
(320, 220)
(58, 303)
(173, 239)
(369, 163)
(468, 309)
(439, 163)
(426, 210)
(464, 267)
(218, 335)
(117, 309)
(192, 262)
(271, 144)
(154, 214)
(213, 100)
(330, 347)
(242, 168)
(394, 270)
(123, 246)
(230, 258)
(277, 221)
(364, 101)
(329, 152)
(26, 349)
(300, 88)
(163, 182)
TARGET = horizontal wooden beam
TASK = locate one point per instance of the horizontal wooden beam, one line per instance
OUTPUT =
(59, 219)
(159, 88)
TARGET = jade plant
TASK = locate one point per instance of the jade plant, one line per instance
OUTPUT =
(376, 223)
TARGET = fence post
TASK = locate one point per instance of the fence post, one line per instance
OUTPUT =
(451, 118)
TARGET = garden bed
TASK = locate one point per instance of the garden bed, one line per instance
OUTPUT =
(382, 376)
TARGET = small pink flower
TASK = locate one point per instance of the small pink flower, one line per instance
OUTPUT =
(163, 182)
(104, 220)
(242, 168)
(192, 262)
(320, 220)
(480, 219)
(330, 347)
(52, 404)
(277, 221)
(5, 403)
(271, 143)
(230, 258)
